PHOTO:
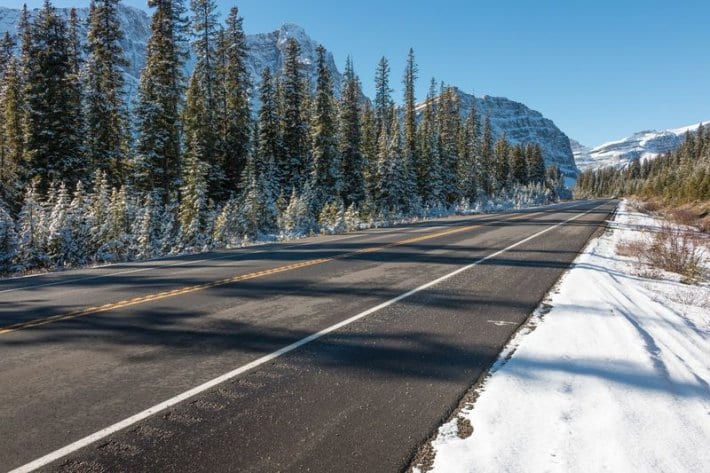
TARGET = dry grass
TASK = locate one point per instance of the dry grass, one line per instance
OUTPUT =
(633, 249)
(678, 251)
(695, 214)
(703, 224)
(671, 249)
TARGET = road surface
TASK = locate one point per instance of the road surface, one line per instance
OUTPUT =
(335, 353)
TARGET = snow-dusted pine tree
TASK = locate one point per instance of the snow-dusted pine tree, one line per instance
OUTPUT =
(12, 165)
(79, 228)
(428, 165)
(98, 213)
(268, 143)
(235, 120)
(59, 242)
(32, 232)
(106, 114)
(293, 165)
(159, 97)
(383, 96)
(199, 116)
(468, 162)
(326, 174)
(193, 213)
(502, 162)
(449, 117)
(8, 240)
(350, 139)
(52, 131)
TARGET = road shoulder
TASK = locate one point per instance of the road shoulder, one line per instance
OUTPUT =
(610, 373)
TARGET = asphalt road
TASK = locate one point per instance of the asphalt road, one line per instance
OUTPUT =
(83, 350)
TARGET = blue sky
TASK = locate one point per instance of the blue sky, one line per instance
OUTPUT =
(600, 69)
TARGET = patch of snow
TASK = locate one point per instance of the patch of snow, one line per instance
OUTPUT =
(642, 145)
(614, 378)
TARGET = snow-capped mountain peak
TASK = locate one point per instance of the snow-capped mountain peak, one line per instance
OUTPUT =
(642, 145)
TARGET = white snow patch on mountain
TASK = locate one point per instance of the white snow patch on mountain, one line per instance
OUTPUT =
(642, 145)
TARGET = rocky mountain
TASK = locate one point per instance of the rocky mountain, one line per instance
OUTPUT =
(521, 124)
(642, 145)
(135, 24)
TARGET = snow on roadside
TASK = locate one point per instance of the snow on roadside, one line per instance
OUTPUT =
(615, 377)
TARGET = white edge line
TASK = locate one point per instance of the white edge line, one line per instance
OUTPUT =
(101, 434)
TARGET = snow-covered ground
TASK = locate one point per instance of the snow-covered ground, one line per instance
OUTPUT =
(613, 377)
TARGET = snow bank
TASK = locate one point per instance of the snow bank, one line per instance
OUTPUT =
(614, 378)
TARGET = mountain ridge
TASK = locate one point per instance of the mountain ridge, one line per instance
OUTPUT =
(646, 144)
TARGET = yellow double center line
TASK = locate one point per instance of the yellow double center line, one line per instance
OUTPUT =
(240, 277)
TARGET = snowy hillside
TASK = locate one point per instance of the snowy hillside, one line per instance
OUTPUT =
(641, 145)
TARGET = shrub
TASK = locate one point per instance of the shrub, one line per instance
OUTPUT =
(678, 251)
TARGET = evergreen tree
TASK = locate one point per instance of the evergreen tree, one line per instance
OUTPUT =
(78, 228)
(159, 98)
(327, 179)
(536, 165)
(257, 213)
(369, 153)
(393, 186)
(410, 109)
(148, 238)
(350, 140)
(7, 49)
(486, 161)
(428, 165)
(502, 162)
(193, 212)
(53, 138)
(294, 163)
(12, 165)
(234, 122)
(58, 233)
(31, 231)
(383, 96)
(98, 213)
(268, 147)
(24, 30)
(118, 244)
(519, 166)
(201, 130)
(298, 218)
(449, 125)
(468, 164)
(106, 114)
(75, 45)
(8, 240)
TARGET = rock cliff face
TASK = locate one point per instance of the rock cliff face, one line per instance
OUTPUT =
(269, 50)
(641, 145)
(521, 124)
(136, 29)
